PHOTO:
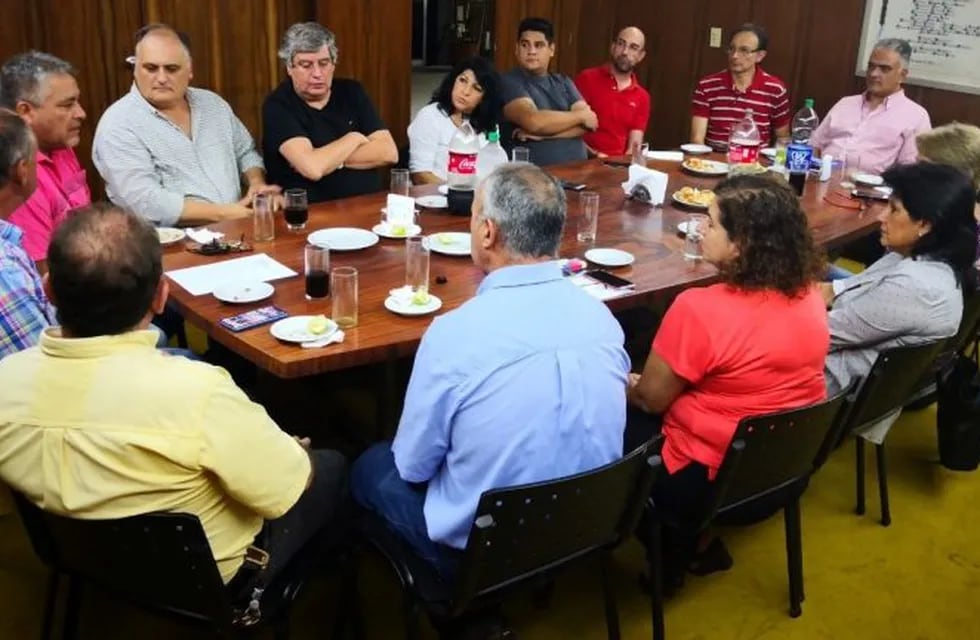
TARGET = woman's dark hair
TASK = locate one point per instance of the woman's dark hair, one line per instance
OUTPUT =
(487, 114)
(104, 266)
(942, 196)
(763, 218)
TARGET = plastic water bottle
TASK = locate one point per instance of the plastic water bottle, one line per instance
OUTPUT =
(805, 122)
(491, 155)
(463, 149)
(743, 145)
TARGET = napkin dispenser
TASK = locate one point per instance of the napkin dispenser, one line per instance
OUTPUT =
(646, 185)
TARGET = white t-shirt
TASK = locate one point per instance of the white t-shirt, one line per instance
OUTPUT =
(429, 135)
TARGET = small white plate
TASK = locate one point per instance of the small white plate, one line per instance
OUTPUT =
(432, 202)
(170, 235)
(450, 243)
(399, 306)
(243, 292)
(769, 152)
(444, 189)
(695, 149)
(609, 257)
(868, 179)
(343, 238)
(711, 168)
(389, 231)
(296, 329)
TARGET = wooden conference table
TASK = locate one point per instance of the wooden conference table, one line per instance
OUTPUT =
(647, 232)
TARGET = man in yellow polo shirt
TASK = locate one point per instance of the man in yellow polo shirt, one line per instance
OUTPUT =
(95, 422)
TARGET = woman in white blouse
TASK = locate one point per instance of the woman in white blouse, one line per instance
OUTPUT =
(914, 293)
(470, 91)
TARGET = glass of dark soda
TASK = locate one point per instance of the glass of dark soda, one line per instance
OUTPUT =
(317, 260)
(296, 210)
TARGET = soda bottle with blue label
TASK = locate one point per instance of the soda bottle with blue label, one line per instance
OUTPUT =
(798, 158)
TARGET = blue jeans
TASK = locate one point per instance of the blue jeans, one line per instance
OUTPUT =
(376, 485)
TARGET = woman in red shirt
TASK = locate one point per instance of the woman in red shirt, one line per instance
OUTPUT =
(754, 343)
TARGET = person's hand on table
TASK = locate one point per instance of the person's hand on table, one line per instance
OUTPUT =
(256, 188)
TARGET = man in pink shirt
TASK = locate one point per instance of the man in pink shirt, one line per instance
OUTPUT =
(42, 90)
(873, 130)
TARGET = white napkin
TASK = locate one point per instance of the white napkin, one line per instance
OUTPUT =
(670, 156)
(204, 235)
(400, 209)
(335, 337)
(654, 181)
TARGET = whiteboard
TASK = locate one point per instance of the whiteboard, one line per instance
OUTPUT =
(944, 34)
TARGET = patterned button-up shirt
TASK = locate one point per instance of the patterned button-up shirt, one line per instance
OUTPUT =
(24, 309)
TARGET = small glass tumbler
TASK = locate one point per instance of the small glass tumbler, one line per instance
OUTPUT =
(400, 182)
(697, 223)
(416, 265)
(343, 291)
(263, 221)
(316, 259)
(521, 154)
(589, 221)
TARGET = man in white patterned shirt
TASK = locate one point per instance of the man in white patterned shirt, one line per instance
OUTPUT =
(174, 154)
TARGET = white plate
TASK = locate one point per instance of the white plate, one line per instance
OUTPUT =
(296, 329)
(384, 230)
(691, 205)
(343, 238)
(451, 243)
(769, 152)
(444, 189)
(170, 235)
(695, 149)
(712, 169)
(609, 257)
(397, 305)
(243, 292)
(432, 202)
(868, 179)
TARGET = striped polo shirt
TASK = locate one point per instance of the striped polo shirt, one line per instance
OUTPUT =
(717, 99)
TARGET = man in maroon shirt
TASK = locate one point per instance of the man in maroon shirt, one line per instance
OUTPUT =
(721, 99)
(620, 103)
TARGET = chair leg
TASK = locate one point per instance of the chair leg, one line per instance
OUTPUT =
(655, 567)
(886, 514)
(72, 609)
(859, 449)
(794, 556)
(50, 604)
(609, 597)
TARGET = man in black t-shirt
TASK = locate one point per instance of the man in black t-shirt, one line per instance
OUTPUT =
(321, 133)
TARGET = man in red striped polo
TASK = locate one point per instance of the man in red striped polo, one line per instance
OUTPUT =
(721, 99)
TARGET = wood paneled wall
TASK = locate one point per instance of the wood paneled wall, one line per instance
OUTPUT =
(813, 47)
(233, 42)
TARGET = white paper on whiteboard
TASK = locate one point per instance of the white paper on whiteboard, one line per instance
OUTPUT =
(206, 278)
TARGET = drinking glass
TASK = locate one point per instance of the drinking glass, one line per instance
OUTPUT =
(850, 163)
(589, 221)
(416, 265)
(639, 153)
(400, 181)
(264, 224)
(296, 209)
(317, 269)
(343, 288)
(697, 223)
(521, 154)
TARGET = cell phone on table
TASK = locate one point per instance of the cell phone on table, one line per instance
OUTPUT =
(574, 186)
(608, 279)
(253, 318)
(870, 192)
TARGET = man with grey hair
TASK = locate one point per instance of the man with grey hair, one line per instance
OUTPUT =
(522, 383)
(172, 153)
(873, 130)
(24, 308)
(42, 90)
(322, 133)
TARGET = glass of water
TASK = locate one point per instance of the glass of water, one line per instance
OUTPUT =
(589, 221)
(521, 154)
(697, 224)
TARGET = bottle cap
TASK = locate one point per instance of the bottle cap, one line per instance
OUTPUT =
(493, 136)
(808, 103)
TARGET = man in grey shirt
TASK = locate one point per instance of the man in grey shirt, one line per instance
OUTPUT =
(173, 154)
(544, 110)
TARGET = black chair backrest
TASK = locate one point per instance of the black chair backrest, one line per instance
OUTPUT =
(772, 452)
(522, 531)
(161, 560)
(892, 381)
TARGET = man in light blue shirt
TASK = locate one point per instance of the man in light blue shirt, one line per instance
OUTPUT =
(523, 383)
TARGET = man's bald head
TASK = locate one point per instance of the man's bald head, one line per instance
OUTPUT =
(163, 66)
(628, 49)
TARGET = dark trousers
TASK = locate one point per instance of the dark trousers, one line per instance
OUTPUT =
(320, 513)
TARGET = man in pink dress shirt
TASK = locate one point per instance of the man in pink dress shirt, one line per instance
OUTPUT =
(42, 90)
(873, 130)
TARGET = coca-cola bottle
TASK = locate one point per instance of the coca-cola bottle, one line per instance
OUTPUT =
(743, 145)
(463, 149)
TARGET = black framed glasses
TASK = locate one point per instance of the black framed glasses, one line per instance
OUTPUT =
(742, 51)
